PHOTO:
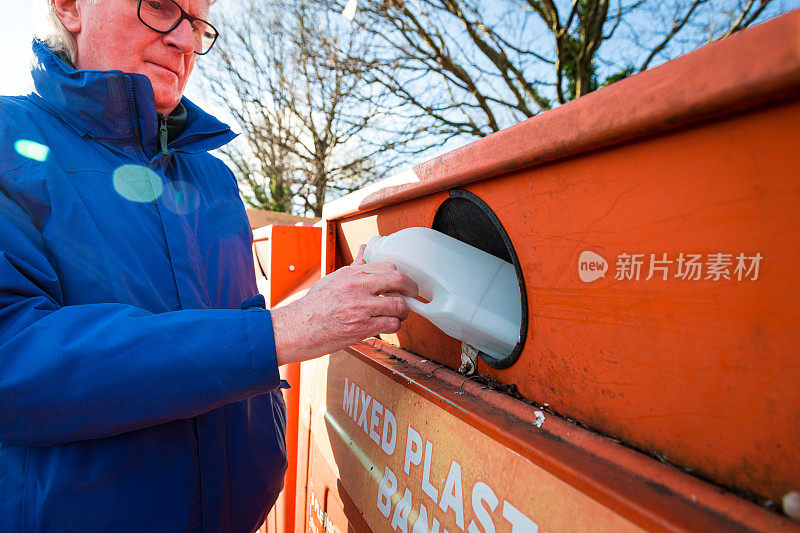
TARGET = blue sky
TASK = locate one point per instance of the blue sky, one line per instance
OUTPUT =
(22, 18)
(17, 25)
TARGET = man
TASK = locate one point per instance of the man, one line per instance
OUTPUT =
(138, 372)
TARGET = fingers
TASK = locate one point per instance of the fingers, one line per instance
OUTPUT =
(395, 281)
(385, 324)
(384, 278)
(380, 266)
(389, 306)
(359, 260)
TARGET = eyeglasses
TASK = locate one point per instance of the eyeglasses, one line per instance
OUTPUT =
(164, 16)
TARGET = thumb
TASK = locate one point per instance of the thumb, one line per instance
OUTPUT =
(359, 260)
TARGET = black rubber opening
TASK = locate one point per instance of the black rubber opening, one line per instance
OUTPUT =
(464, 216)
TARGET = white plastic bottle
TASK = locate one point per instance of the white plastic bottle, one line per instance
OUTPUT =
(473, 296)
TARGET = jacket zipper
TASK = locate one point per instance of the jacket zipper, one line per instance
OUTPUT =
(163, 135)
(136, 127)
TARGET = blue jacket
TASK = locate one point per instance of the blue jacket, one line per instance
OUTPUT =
(137, 391)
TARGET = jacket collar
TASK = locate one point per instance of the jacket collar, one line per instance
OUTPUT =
(117, 107)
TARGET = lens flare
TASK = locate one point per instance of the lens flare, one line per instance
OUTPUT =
(182, 198)
(32, 150)
(137, 183)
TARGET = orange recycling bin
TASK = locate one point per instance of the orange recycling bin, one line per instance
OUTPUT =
(287, 260)
(655, 231)
(287, 263)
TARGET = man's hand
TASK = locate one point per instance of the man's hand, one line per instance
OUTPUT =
(349, 305)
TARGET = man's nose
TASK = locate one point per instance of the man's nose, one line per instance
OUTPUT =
(182, 37)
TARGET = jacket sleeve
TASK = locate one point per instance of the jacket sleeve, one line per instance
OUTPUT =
(90, 371)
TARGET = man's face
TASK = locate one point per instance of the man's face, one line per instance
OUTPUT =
(111, 37)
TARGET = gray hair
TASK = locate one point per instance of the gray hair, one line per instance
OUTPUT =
(60, 39)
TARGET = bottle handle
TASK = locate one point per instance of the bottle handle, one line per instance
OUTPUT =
(427, 309)
(415, 305)
(425, 291)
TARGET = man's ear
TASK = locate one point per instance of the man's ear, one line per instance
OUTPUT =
(69, 13)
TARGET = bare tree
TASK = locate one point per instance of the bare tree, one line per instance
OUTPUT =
(472, 67)
(326, 105)
(289, 79)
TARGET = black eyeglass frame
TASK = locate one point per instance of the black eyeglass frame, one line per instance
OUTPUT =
(184, 16)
